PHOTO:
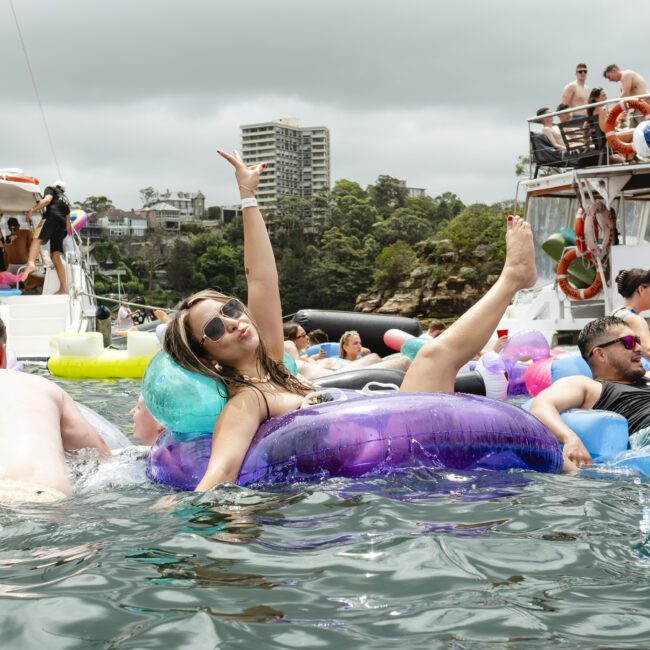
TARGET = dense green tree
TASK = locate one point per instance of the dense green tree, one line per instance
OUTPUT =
(402, 224)
(393, 265)
(387, 194)
(181, 265)
(437, 211)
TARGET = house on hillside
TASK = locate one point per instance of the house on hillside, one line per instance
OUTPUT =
(171, 209)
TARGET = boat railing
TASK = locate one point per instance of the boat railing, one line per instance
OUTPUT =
(584, 109)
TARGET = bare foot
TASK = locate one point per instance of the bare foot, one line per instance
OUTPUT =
(60, 292)
(519, 267)
(29, 268)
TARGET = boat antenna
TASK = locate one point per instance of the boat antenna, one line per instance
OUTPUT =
(38, 97)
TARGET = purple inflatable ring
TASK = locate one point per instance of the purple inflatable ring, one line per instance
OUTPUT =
(372, 435)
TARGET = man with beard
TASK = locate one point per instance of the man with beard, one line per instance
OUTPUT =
(620, 384)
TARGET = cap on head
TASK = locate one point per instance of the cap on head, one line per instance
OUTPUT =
(60, 184)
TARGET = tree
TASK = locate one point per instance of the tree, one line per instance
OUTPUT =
(393, 265)
(436, 211)
(387, 193)
(402, 224)
(95, 204)
(148, 195)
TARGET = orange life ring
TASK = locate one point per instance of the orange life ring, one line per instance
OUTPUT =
(579, 229)
(610, 131)
(573, 293)
(598, 224)
(19, 178)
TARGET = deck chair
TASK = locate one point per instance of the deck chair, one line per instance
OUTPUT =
(544, 154)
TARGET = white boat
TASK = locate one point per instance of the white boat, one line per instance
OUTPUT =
(32, 320)
(551, 203)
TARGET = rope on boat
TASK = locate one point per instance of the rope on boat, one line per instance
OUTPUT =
(130, 304)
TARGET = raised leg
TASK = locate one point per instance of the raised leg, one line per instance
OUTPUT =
(34, 249)
(437, 363)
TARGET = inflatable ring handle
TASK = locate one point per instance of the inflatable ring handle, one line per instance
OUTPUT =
(610, 123)
(571, 292)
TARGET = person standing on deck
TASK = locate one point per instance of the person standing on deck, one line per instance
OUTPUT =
(632, 84)
(576, 92)
(53, 228)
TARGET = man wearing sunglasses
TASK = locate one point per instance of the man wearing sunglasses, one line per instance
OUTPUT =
(576, 93)
(620, 384)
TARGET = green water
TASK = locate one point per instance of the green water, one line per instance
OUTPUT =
(428, 560)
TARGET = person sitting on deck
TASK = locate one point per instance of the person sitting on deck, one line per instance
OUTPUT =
(634, 286)
(613, 352)
(549, 129)
(218, 336)
(597, 123)
(37, 422)
(16, 245)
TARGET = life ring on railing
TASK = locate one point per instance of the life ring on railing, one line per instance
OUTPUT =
(15, 177)
(579, 229)
(598, 224)
(613, 140)
(573, 293)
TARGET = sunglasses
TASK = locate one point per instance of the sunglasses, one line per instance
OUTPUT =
(301, 336)
(215, 328)
(629, 343)
(581, 71)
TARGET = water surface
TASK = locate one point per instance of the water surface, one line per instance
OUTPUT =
(422, 560)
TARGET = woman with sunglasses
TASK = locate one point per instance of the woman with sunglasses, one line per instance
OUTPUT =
(217, 336)
(634, 286)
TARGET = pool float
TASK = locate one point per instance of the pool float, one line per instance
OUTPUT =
(7, 278)
(372, 435)
(371, 327)
(10, 292)
(331, 349)
(78, 219)
(542, 373)
(84, 355)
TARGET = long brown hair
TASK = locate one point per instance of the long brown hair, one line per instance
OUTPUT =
(182, 346)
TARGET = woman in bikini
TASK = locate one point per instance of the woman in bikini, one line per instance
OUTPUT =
(634, 286)
(242, 346)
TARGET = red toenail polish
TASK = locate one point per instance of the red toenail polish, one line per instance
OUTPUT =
(510, 217)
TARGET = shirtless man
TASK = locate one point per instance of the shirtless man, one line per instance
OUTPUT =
(37, 422)
(632, 84)
(620, 384)
(576, 92)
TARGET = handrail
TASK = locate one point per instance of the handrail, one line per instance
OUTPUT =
(573, 109)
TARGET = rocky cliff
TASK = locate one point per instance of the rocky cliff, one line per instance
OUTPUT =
(443, 285)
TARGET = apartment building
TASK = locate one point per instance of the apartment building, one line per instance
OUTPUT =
(298, 159)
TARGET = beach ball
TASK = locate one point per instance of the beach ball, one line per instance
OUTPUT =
(641, 140)
(184, 402)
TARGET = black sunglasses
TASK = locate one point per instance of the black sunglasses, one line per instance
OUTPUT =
(629, 342)
(215, 328)
(581, 71)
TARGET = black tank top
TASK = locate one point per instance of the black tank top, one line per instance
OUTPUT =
(629, 400)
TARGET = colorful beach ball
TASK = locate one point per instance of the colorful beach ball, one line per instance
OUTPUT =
(641, 140)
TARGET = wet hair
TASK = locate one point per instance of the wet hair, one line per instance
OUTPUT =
(542, 111)
(629, 280)
(345, 337)
(610, 68)
(437, 326)
(3, 332)
(594, 331)
(318, 336)
(12, 221)
(185, 350)
(581, 66)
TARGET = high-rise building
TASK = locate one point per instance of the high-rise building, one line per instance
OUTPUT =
(298, 158)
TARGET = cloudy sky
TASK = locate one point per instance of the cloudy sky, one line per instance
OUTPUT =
(141, 92)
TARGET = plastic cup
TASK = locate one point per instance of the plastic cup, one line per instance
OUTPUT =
(502, 333)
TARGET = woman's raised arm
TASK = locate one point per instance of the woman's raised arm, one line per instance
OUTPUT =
(259, 260)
